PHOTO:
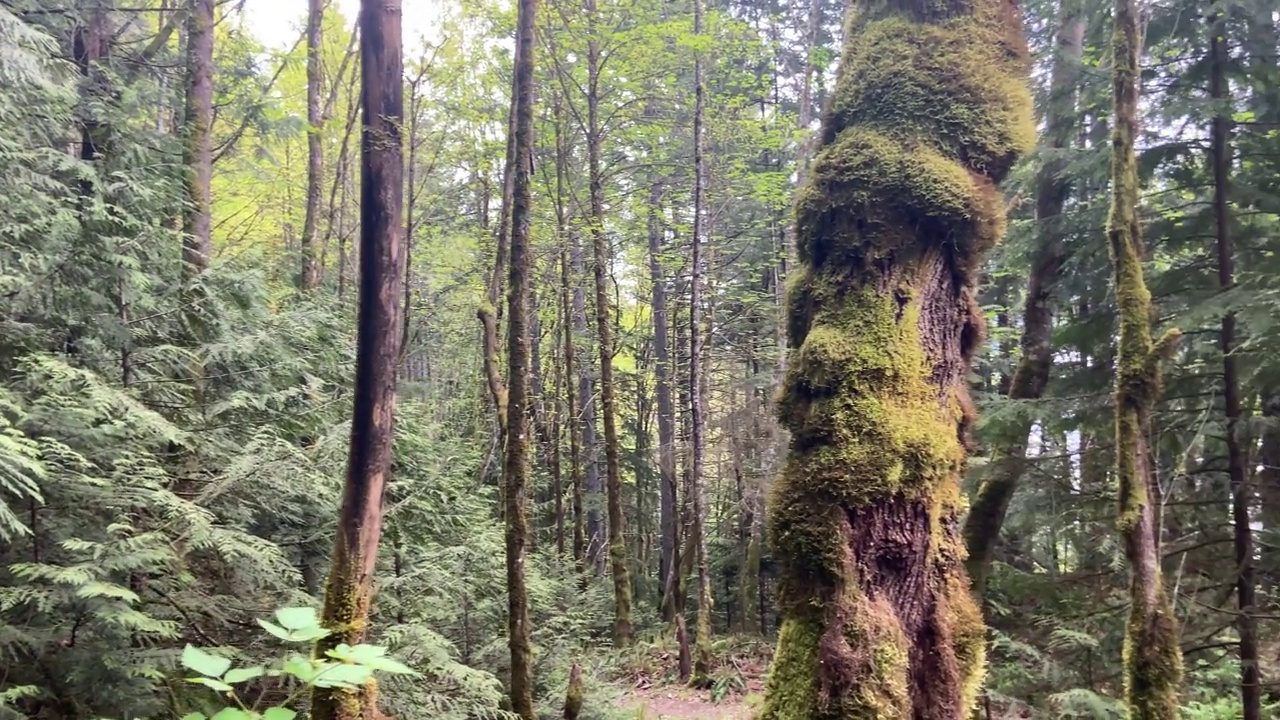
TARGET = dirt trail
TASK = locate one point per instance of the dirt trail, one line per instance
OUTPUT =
(680, 704)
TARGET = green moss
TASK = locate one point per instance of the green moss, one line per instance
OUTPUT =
(929, 112)
(959, 85)
(792, 686)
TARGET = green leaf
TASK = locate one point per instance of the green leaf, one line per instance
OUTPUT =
(232, 714)
(197, 660)
(302, 668)
(211, 683)
(307, 634)
(298, 618)
(278, 713)
(344, 676)
(274, 629)
(239, 675)
(195, 716)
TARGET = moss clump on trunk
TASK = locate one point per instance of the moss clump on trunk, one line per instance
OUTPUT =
(930, 111)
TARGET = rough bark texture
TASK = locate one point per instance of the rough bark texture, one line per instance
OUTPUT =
(702, 626)
(1152, 657)
(516, 468)
(309, 275)
(197, 128)
(666, 408)
(350, 587)
(622, 630)
(930, 111)
(592, 490)
(1241, 492)
(1031, 376)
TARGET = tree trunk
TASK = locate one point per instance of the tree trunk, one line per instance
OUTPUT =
(516, 468)
(309, 277)
(930, 110)
(197, 128)
(350, 587)
(1241, 492)
(702, 625)
(622, 630)
(666, 409)
(1152, 657)
(1009, 462)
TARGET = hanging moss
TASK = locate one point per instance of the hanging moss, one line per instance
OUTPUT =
(929, 112)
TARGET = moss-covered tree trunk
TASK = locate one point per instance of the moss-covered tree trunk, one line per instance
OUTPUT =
(349, 591)
(309, 275)
(622, 629)
(930, 111)
(697, 423)
(515, 470)
(1152, 656)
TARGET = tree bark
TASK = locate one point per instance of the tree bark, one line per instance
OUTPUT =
(622, 630)
(1152, 657)
(1031, 376)
(197, 128)
(1241, 492)
(702, 625)
(930, 111)
(666, 408)
(350, 587)
(309, 276)
(516, 469)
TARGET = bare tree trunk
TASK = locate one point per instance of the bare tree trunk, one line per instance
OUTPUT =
(1152, 656)
(197, 154)
(350, 587)
(666, 409)
(878, 619)
(1009, 463)
(309, 277)
(1241, 492)
(622, 630)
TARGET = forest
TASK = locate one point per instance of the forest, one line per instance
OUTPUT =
(640, 359)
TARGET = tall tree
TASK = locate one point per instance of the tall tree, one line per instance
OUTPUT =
(309, 276)
(519, 403)
(622, 630)
(197, 148)
(1152, 656)
(702, 626)
(349, 591)
(1031, 376)
(1241, 493)
(930, 110)
(669, 527)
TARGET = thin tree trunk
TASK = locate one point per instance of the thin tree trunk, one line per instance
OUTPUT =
(989, 506)
(516, 469)
(593, 540)
(197, 152)
(878, 619)
(349, 592)
(702, 625)
(622, 630)
(666, 409)
(1152, 657)
(1241, 493)
(309, 277)
(575, 451)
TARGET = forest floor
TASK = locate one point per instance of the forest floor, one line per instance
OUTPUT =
(739, 669)
(679, 703)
